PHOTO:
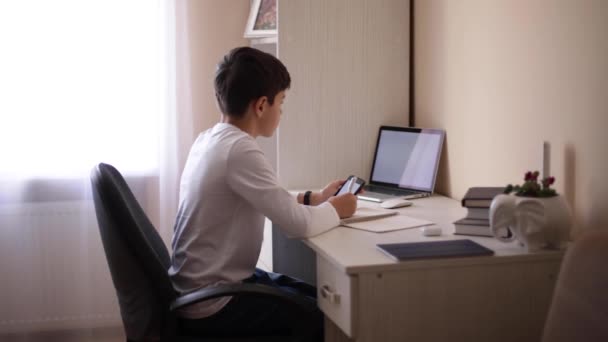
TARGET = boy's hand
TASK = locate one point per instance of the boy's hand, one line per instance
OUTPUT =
(330, 190)
(345, 204)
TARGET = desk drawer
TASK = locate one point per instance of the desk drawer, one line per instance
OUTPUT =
(335, 292)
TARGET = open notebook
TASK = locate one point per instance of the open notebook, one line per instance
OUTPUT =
(381, 220)
(366, 214)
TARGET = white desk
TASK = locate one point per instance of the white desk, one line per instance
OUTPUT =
(368, 297)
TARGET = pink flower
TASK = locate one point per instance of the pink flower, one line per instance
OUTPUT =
(535, 175)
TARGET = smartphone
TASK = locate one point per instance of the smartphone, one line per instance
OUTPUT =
(357, 185)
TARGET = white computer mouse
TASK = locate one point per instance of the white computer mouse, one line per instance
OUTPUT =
(431, 231)
(394, 203)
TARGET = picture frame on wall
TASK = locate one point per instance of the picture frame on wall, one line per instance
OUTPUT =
(262, 21)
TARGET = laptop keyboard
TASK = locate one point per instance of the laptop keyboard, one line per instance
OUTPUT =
(389, 191)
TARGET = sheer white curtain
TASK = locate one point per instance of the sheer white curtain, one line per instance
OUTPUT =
(83, 82)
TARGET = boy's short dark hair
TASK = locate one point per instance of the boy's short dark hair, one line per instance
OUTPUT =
(246, 74)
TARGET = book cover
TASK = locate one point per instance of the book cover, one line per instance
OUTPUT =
(467, 226)
(480, 196)
(433, 249)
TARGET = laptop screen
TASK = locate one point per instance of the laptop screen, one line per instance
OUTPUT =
(407, 157)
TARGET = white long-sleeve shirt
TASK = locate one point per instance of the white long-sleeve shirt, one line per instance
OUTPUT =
(226, 189)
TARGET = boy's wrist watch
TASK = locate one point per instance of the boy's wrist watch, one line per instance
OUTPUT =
(306, 199)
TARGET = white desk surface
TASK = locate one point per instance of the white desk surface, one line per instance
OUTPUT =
(354, 251)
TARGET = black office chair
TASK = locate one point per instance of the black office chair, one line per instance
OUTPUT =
(139, 261)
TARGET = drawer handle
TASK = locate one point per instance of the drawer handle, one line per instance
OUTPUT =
(328, 294)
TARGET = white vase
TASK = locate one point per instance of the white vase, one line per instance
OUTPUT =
(536, 222)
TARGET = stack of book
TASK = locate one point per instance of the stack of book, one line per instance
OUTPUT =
(477, 200)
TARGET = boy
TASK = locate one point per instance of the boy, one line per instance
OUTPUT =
(226, 190)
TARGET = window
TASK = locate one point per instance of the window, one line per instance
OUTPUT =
(81, 82)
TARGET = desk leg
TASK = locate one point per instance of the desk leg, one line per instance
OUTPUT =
(333, 333)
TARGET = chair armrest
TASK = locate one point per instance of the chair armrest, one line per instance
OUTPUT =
(256, 290)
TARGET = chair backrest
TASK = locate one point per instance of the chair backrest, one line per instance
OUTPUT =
(137, 257)
(579, 310)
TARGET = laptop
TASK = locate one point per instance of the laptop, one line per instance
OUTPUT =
(405, 163)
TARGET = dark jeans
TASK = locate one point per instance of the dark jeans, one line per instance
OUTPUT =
(259, 316)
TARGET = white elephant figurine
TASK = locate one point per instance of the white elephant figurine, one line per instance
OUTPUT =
(536, 222)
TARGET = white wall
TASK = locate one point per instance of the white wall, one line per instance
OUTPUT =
(210, 30)
(501, 76)
(348, 60)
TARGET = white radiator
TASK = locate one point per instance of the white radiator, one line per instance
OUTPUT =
(53, 272)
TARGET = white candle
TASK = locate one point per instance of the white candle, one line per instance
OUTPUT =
(546, 160)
